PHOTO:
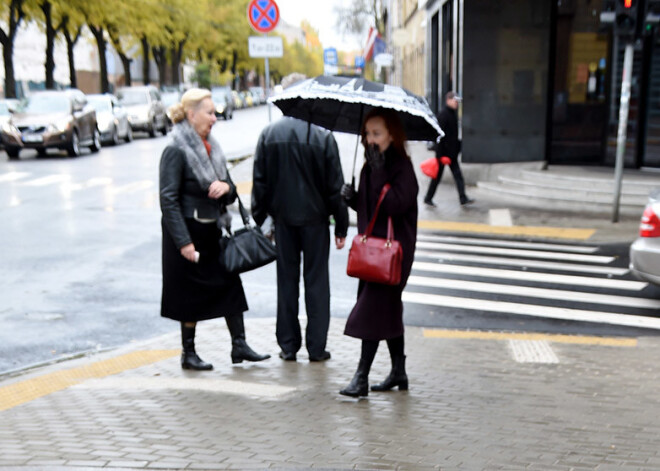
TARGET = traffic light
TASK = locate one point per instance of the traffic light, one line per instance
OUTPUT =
(651, 16)
(626, 17)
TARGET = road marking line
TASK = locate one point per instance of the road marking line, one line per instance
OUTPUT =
(578, 315)
(25, 391)
(551, 232)
(508, 243)
(13, 176)
(517, 252)
(556, 338)
(133, 187)
(532, 351)
(521, 262)
(48, 180)
(525, 291)
(188, 384)
(530, 276)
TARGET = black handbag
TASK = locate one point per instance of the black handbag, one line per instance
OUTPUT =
(247, 248)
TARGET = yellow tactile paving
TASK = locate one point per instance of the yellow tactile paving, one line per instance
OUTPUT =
(534, 231)
(557, 338)
(28, 390)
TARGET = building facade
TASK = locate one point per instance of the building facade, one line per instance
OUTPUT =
(540, 80)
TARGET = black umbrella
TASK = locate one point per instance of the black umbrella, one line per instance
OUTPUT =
(340, 103)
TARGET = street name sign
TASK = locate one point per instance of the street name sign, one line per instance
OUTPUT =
(263, 15)
(265, 46)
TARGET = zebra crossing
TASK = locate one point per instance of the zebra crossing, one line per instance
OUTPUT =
(533, 279)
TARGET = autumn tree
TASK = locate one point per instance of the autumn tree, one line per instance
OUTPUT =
(13, 13)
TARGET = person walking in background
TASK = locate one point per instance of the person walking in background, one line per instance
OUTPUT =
(195, 189)
(297, 180)
(378, 312)
(449, 146)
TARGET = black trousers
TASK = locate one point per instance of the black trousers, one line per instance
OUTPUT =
(458, 179)
(313, 242)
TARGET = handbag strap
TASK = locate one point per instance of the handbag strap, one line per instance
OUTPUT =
(390, 227)
(244, 214)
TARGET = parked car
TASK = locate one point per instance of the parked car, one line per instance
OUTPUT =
(169, 98)
(52, 119)
(5, 114)
(645, 251)
(238, 102)
(111, 119)
(224, 104)
(259, 95)
(145, 109)
(247, 99)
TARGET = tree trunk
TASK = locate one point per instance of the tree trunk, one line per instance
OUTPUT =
(101, 47)
(70, 44)
(146, 70)
(161, 62)
(47, 8)
(177, 53)
(7, 41)
(234, 61)
(126, 62)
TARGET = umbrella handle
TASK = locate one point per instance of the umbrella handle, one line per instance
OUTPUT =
(356, 145)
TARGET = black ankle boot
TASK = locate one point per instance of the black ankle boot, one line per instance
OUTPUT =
(240, 350)
(397, 376)
(359, 385)
(189, 358)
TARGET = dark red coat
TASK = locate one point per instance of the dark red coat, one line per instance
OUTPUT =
(378, 312)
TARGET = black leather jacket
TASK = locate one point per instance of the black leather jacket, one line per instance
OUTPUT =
(449, 145)
(181, 196)
(297, 176)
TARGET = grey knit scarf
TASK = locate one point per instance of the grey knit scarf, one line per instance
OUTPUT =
(206, 170)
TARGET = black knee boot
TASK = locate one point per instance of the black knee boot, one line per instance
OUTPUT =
(189, 358)
(240, 350)
(359, 385)
(397, 376)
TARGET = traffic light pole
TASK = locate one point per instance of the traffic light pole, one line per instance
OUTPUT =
(623, 126)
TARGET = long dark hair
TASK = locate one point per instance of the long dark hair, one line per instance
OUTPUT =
(394, 127)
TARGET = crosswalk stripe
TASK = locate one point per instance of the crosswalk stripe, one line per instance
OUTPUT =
(521, 262)
(530, 276)
(532, 351)
(134, 186)
(525, 291)
(48, 180)
(507, 243)
(13, 176)
(517, 252)
(532, 310)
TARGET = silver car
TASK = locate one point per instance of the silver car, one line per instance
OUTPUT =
(645, 251)
(145, 109)
(111, 119)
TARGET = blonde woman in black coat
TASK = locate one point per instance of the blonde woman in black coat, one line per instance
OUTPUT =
(195, 189)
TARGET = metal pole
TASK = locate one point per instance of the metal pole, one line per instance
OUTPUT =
(623, 125)
(268, 86)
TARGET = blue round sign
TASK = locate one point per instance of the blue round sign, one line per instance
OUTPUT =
(263, 15)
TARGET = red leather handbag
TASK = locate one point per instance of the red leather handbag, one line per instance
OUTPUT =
(376, 259)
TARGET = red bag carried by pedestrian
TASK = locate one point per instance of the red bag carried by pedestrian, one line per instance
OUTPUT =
(376, 259)
(430, 167)
(444, 160)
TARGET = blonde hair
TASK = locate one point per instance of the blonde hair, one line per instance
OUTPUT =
(189, 101)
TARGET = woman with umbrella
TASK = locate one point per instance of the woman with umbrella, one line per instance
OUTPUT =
(378, 312)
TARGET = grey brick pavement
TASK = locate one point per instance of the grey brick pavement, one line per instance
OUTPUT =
(470, 406)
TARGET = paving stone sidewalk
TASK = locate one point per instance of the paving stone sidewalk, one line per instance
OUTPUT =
(471, 406)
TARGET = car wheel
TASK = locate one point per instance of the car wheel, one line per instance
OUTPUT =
(74, 146)
(115, 136)
(96, 141)
(152, 128)
(12, 152)
(129, 135)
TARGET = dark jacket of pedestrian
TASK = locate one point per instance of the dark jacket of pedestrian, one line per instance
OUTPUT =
(449, 145)
(195, 189)
(297, 176)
